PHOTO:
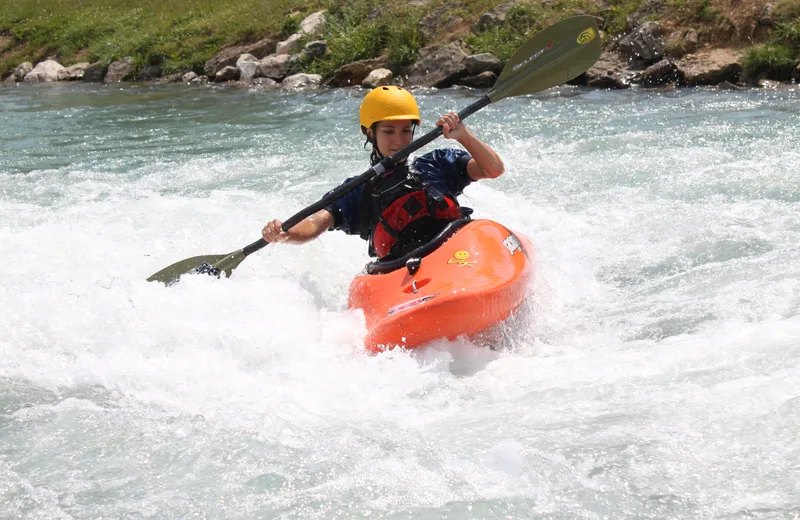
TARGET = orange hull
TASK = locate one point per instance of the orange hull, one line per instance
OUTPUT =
(472, 282)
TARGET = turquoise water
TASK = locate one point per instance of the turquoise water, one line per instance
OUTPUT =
(656, 376)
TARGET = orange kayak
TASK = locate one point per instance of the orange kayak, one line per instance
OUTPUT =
(471, 277)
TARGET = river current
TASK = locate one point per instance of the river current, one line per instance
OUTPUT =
(656, 373)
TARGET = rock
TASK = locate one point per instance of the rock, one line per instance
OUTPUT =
(247, 70)
(247, 64)
(610, 71)
(727, 85)
(11, 78)
(170, 78)
(119, 70)
(724, 30)
(229, 56)
(314, 50)
(301, 81)
(245, 57)
(354, 73)
(150, 73)
(485, 79)
(767, 15)
(711, 67)
(188, 77)
(44, 72)
(608, 82)
(441, 21)
(291, 45)
(478, 63)
(22, 70)
(313, 24)
(797, 72)
(378, 78)
(763, 24)
(496, 17)
(73, 72)
(260, 49)
(769, 84)
(662, 73)
(682, 42)
(226, 74)
(440, 66)
(644, 44)
(95, 73)
(275, 66)
(649, 8)
(264, 84)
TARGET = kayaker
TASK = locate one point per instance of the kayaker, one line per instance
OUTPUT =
(408, 205)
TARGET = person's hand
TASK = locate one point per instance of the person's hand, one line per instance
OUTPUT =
(452, 127)
(273, 232)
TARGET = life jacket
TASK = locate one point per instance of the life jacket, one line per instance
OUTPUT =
(400, 206)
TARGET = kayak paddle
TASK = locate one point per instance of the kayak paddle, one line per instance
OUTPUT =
(551, 57)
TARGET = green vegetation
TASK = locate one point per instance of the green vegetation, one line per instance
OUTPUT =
(693, 11)
(504, 39)
(365, 29)
(777, 58)
(521, 22)
(618, 14)
(769, 61)
(180, 35)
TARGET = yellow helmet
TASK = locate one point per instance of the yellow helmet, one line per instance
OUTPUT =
(387, 104)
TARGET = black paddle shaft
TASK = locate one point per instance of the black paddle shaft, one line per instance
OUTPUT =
(383, 166)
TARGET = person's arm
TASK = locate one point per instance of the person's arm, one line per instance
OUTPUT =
(485, 163)
(305, 231)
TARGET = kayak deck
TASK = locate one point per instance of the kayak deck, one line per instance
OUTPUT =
(474, 280)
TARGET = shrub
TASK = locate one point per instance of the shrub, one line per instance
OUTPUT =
(771, 61)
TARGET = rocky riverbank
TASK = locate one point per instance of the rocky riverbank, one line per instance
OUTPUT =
(647, 53)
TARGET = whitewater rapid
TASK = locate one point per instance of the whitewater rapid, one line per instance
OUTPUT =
(656, 375)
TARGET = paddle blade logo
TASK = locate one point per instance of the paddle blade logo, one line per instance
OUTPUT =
(533, 56)
(587, 36)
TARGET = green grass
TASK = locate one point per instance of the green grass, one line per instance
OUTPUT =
(178, 34)
(522, 21)
(693, 11)
(365, 29)
(616, 18)
(777, 58)
(770, 61)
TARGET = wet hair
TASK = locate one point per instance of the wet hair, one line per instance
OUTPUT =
(375, 155)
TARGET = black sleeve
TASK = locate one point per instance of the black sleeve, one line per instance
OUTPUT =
(335, 210)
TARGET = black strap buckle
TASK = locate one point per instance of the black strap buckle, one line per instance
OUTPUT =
(413, 265)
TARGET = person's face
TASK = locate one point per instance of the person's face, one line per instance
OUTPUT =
(392, 136)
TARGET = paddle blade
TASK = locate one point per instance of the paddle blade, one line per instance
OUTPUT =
(208, 264)
(551, 57)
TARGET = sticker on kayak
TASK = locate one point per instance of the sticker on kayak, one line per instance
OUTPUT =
(461, 258)
(412, 303)
(512, 244)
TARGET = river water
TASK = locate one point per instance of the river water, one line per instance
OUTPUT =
(656, 375)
